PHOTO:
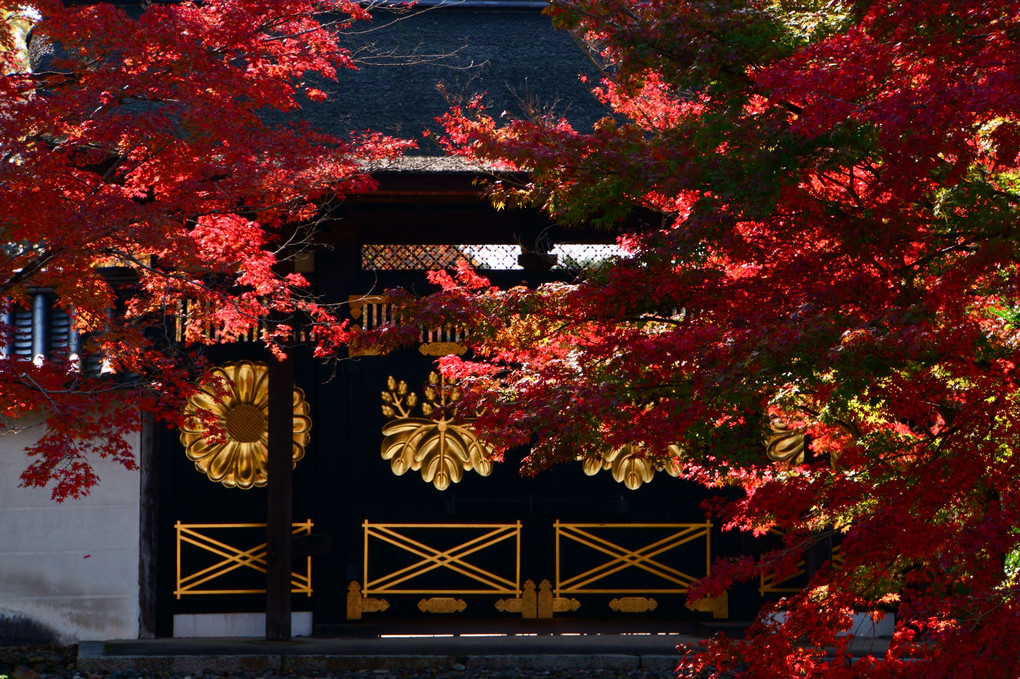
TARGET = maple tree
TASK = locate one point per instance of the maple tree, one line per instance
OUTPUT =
(821, 201)
(151, 169)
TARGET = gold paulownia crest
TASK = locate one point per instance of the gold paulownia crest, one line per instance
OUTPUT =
(630, 464)
(785, 444)
(439, 445)
(789, 445)
(229, 441)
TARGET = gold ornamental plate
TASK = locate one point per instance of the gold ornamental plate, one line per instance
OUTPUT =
(225, 430)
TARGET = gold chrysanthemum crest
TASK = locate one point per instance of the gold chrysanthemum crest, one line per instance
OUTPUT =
(225, 430)
(440, 445)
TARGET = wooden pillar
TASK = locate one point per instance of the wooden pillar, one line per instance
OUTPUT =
(40, 326)
(148, 547)
(817, 554)
(280, 498)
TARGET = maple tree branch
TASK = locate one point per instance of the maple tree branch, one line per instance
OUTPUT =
(646, 318)
(850, 427)
(919, 264)
(28, 271)
(112, 386)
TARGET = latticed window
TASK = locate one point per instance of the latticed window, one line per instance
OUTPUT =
(492, 257)
(411, 257)
(39, 330)
(581, 257)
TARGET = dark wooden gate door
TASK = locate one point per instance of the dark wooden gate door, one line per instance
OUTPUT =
(487, 543)
(408, 519)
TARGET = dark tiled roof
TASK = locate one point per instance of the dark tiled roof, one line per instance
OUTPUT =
(513, 55)
(504, 48)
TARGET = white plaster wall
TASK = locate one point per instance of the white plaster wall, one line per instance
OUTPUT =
(71, 566)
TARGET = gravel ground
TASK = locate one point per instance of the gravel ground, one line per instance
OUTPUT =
(59, 662)
(33, 662)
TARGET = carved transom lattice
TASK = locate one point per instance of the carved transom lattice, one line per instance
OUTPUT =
(375, 311)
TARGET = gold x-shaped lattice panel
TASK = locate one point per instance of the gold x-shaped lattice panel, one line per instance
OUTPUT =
(454, 559)
(770, 583)
(198, 535)
(645, 557)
